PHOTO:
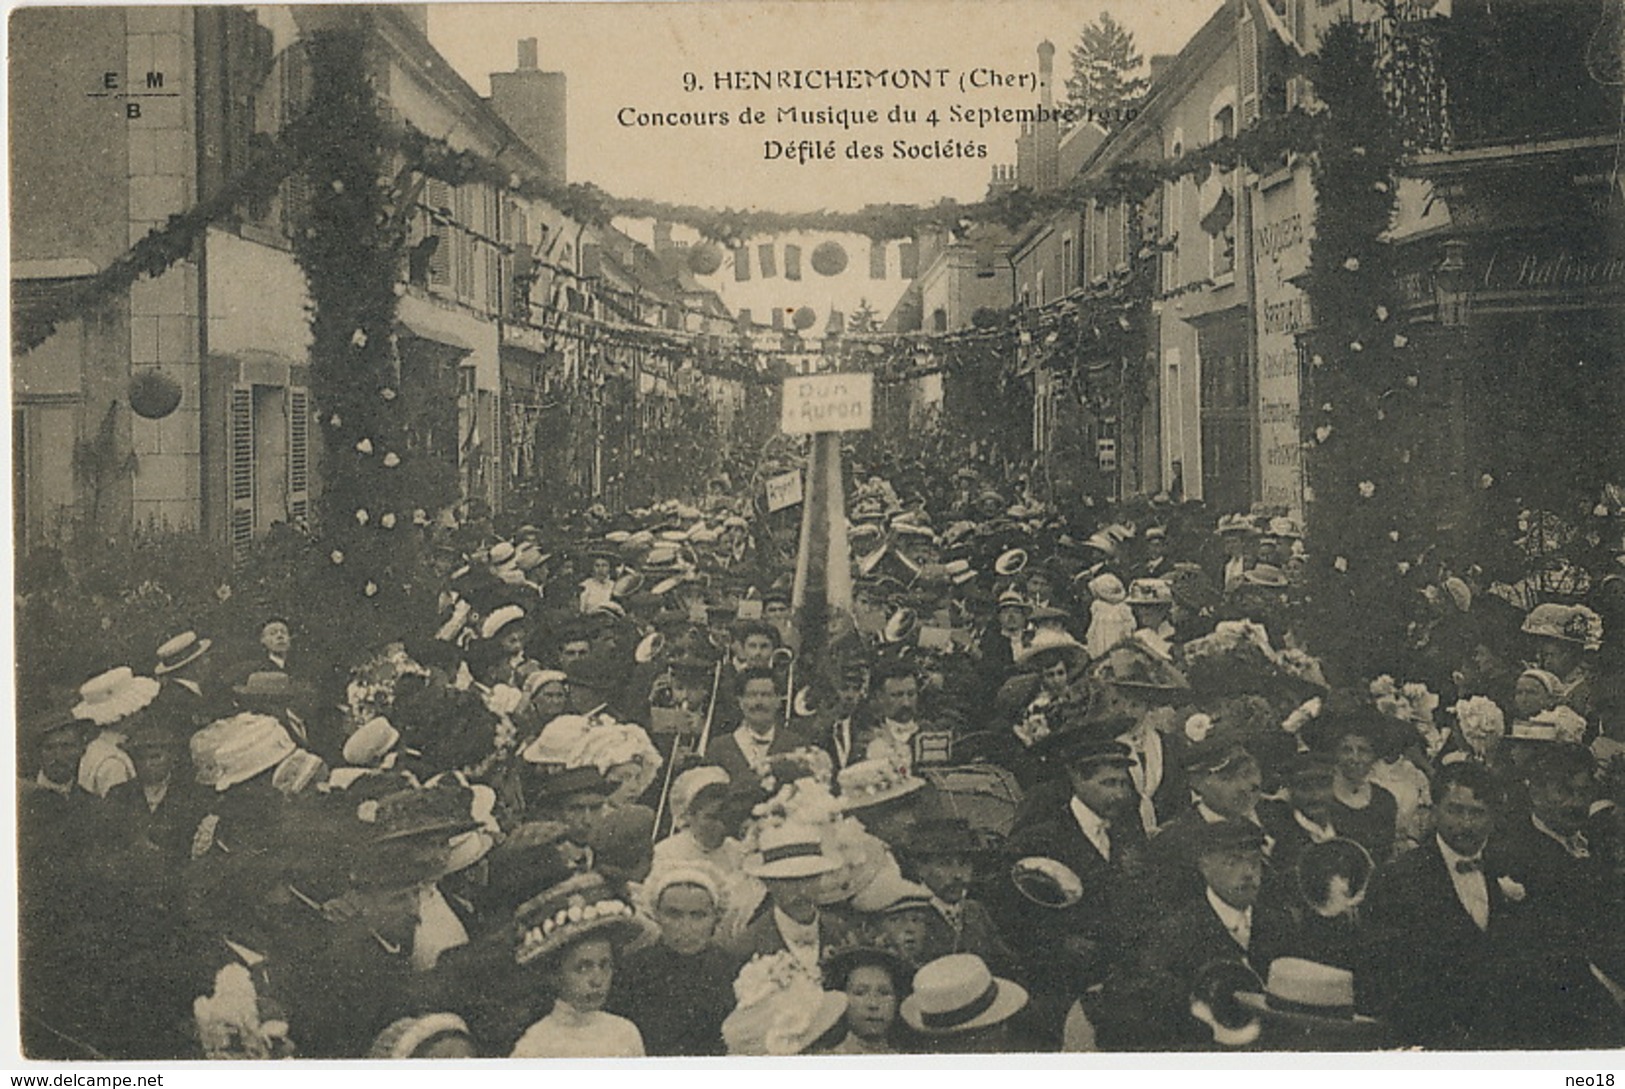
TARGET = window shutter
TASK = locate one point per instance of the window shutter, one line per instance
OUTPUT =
(792, 262)
(1248, 32)
(493, 255)
(437, 195)
(298, 456)
(908, 258)
(741, 264)
(462, 270)
(241, 470)
(877, 259)
(767, 261)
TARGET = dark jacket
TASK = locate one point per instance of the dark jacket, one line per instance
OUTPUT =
(1428, 968)
(724, 751)
(677, 1002)
(1149, 997)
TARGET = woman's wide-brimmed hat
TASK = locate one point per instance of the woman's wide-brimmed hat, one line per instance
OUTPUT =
(180, 652)
(233, 750)
(576, 909)
(1045, 640)
(780, 1008)
(874, 782)
(114, 695)
(788, 851)
(957, 993)
(1569, 623)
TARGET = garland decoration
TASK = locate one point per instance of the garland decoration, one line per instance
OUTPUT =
(160, 248)
(1367, 398)
(376, 481)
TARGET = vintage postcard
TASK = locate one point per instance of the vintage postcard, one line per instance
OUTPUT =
(780, 528)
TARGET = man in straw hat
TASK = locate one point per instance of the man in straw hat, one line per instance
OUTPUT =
(789, 861)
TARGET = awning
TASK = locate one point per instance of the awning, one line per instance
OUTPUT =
(450, 341)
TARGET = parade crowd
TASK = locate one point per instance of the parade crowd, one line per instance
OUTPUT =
(1068, 780)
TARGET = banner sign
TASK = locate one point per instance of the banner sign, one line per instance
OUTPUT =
(827, 402)
(784, 490)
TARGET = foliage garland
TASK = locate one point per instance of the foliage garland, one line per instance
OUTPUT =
(374, 478)
(1366, 428)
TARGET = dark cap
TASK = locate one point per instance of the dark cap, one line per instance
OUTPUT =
(1078, 747)
(1198, 839)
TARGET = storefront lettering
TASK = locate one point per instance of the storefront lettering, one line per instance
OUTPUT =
(1562, 269)
(1276, 238)
(1287, 316)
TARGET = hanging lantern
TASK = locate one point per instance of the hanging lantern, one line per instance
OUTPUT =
(829, 259)
(704, 259)
(154, 395)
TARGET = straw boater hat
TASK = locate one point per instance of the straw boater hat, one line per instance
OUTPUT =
(780, 1008)
(790, 851)
(874, 782)
(114, 695)
(576, 909)
(1011, 562)
(494, 624)
(957, 993)
(1014, 599)
(180, 651)
(890, 893)
(234, 750)
(1307, 993)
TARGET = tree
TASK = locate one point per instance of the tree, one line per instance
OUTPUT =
(1105, 83)
(863, 319)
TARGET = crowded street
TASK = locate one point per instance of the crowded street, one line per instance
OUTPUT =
(469, 633)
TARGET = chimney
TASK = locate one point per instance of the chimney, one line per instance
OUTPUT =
(662, 236)
(534, 104)
(1046, 72)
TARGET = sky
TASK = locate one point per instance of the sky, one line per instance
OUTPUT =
(625, 59)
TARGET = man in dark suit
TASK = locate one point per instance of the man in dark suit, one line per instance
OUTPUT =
(1147, 1004)
(743, 751)
(1566, 915)
(1000, 644)
(1092, 831)
(1442, 927)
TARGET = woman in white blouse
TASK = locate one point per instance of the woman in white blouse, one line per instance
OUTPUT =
(573, 935)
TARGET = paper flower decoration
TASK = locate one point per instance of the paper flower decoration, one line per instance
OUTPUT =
(1197, 727)
(362, 517)
(387, 393)
(391, 460)
(1479, 719)
(358, 339)
(1382, 313)
(364, 446)
(1341, 564)
(1367, 489)
(371, 589)
(1352, 264)
(1356, 346)
(1511, 889)
(1486, 481)
(1323, 432)
(1400, 340)
(387, 521)
(336, 556)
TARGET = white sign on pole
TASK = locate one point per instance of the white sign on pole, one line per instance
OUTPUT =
(828, 402)
(784, 490)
